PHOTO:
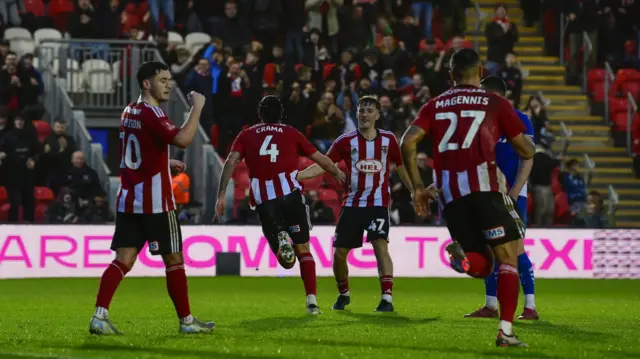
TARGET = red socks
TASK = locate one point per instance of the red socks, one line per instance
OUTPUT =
(111, 278)
(343, 286)
(508, 290)
(308, 273)
(386, 284)
(178, 289)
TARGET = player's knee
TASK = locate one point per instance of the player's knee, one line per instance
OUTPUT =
(340, 254)
(127, 256)
(301, 248)
(507, 253)
(172, 259)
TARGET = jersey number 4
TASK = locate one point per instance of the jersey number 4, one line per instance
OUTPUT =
(130, 150)
(266, 150)
(445, 145)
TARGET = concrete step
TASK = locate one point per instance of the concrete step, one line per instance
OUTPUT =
(628, 223)
(548, 70)
(522, 31)
(617, 182)
(623, 172)
(577, 119)
(610, 161)
(534, 80)
(580, 129)
(549, 90)
(590, 139)
(525, 40)
(604, 188)
(578, 150)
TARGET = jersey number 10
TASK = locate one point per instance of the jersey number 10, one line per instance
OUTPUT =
(130, 149)
(445, 145)
(266, 150)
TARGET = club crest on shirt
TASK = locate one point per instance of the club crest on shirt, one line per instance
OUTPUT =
(354, 151)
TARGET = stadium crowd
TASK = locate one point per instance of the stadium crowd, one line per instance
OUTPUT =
(319, 56)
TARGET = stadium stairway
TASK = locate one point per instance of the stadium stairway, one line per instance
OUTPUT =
(568, 105)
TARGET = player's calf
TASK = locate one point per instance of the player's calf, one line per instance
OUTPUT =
(508, 286)
(385, 270)
(341, 274)
(308, 275)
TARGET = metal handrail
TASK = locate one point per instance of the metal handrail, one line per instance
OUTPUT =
(564, 24)
(590, 167)
(476, 44)
(609, 78)
(632, 109)
(567, 139)
(585, 58)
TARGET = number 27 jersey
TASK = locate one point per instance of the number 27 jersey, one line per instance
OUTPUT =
(271, 152)
(465, 124)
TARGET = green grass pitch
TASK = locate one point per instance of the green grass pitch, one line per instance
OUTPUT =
(266, 318)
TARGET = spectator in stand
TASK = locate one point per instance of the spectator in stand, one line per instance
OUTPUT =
(237, 101)
(56, 159)
(611, 50)
(454, 16)
(200, 80)
(164, 7)
(265, 21)
(328, 122)
(110, 16)
(10, 84)
(167, 51)
(390, 88)
(4, 129)
(5, 46)
(318, 11)
(388, 117)
(20, 149)
(408, 34)
(233, 28)
(502, 35)
(574, 185)
(319, 212)
(401, 207)
(422, 9)
(349, 110)
(594, 215)
(84, 22)
(355, 31)
(31, 80)
(83, 181)
(537, 112)
(395, 58)
(430, 64)
(34, 15)
(297, 108)
(64, 210)
(532, 10)
(512, 77)
(370, 67)
(540, 181)
(10, 12)
(294, 23)
(187, 19)
(584, 15)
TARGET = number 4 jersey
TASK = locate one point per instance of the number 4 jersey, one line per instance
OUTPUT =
(145, 176)
(465, 124)
(271, 152)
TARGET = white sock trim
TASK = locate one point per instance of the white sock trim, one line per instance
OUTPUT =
(101, 313)
(311, 299)
(387, 297)
(491, 302)
(506, 327)
(529, 301)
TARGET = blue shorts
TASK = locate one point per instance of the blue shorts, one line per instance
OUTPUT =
(522, 209)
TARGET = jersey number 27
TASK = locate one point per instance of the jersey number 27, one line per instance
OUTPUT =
(445, 145)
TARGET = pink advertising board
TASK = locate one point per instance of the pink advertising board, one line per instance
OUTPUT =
(83, 251)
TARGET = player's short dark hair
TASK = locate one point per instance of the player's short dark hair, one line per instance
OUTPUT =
(494, 84)
(369, 100)
(463, 63)
(270, 109)
(148, 70)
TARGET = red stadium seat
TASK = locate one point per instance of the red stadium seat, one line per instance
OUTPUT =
(4, 212)
(597, 92)
(328, 195)
(632, 87)
(556, 185)
(3, 194)
(595, 76)
(562, 208)
(619, 121)
(326, 70)
(304, 162)
(617, 105)
(214, 135)
(242, 181)
(269, 76)
(238, 194)
(43, 195)
(43, 129)
(624, 75)
(313, 183)
(40, 213)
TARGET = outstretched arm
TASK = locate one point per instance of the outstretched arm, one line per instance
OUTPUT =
(409, 145)
(233, 159)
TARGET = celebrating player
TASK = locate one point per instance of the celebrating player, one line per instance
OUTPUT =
(465, 123)
(271, 150)
(516, 172)
(145, 203)
(368, 154)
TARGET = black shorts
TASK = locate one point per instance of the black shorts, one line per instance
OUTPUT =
(287, 213)
(354, 221)
(161, 230)
(482, 218)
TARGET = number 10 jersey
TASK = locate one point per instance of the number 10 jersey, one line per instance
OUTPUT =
(145, 176)
(271, 152)
(465, 124)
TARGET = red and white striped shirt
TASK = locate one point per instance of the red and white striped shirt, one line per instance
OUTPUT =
(367, 166)
(465, 124)
(271, 152)
(145, 176)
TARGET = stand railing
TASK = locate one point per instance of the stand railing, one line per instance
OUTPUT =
(564, 23)
(589, 171)
(476, 43)
(609, 78)
(632, 110)
(588, 51)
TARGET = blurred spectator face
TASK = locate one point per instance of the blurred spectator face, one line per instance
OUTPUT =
(230, 10)
(84, 4)
(368, 114)
(382, 24)
(431, 47)
(3, 121)
(78, 160)
(357, 13)
(417, 81)
(18, 123)
(4, 48)
(27, 62)
(511, 60)
(203, 66)
(11, 60)
(328, 98)
(314, 38)
(573, 167)
(535, 104)
(347, 105)
(385, 103)
(389, 83)
(330, 85)
(313, 196)
(457, 43)
(114, 4)
(409, 20)
(421, 160)
(305, 75)
(346, 57)
(365, 83)
(133, 34)
(218, 57)
(251, 58)
(501, 12)
(67, 198)
(234, 69)
(388, 42)
(59, 128)
(277, 51)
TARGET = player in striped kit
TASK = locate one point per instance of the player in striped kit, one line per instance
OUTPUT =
(370, 154)
(465, 124)
(145, 203)
(271, 151)
(516, 171)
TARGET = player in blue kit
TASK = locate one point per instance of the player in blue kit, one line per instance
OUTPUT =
(517, 173)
